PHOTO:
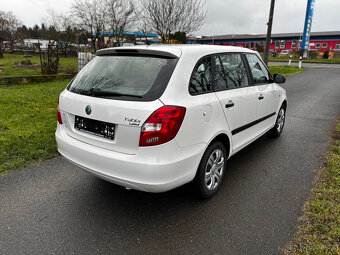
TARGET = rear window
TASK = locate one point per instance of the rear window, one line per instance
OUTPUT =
(125, 77)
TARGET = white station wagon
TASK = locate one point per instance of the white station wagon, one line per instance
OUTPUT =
(153, 118)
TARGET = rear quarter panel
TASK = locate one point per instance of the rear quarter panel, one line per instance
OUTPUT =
(204, 118)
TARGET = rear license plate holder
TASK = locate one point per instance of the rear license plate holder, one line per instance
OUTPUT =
(95, 127)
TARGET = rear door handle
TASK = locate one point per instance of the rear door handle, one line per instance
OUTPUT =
(229, 104)
(261, 97)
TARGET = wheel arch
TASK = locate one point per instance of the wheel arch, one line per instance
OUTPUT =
(224, 139)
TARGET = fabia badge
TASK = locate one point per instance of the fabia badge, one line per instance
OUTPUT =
(88, 110)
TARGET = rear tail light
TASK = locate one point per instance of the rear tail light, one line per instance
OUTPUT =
(60, 121)
(162, 126)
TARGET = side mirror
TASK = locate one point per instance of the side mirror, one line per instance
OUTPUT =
(279, 78)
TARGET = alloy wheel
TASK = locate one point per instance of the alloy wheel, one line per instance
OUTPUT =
(214, 169)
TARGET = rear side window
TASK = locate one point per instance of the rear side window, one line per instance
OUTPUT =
(125, 77)
(235, 70)
(220, 77)
(201, 78)
(258, 70)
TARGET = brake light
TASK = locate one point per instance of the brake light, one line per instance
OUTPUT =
(162, 126)
(60, 121)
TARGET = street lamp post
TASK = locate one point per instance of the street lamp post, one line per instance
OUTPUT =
(269, 31)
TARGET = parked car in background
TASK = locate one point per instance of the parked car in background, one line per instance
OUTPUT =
(284, 52)
(127, 44)
(153, 118)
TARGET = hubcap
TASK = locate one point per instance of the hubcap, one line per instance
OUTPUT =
(214, 169)
(280, 120)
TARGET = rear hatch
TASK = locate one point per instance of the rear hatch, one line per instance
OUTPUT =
(127, 118)
(110, 99)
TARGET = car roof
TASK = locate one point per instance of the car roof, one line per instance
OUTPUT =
(174, 50)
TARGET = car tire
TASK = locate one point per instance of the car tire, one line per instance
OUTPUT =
(211, 170)
(279, 124)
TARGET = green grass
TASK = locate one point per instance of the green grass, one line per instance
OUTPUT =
(285, 70)
(10, 61)
(321, 60)
(27, 124)
(319, 232)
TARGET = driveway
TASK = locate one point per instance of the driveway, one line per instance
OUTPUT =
(56, 208)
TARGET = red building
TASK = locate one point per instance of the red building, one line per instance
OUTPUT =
(319, 41)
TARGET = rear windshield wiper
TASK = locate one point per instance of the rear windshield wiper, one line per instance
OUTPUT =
(99, 92)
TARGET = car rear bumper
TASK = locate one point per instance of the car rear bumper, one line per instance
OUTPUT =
(153, 169)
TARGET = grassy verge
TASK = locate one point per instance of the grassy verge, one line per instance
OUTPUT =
(319, 232)
(27, 124)
(8, 65)
(285, 70)
(321, 60)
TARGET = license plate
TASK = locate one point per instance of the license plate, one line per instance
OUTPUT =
(95, 127)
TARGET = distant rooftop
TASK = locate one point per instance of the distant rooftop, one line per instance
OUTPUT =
(261, 36)
(129, 33)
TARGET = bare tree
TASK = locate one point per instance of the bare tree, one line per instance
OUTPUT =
(59, 29)
(8, 27)
(60, 21)
(53, 25)
(168, 16)
(144, 29)
(120, 15)
(89, 15)
(51, 19)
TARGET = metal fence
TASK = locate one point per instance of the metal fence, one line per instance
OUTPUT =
(84, 58)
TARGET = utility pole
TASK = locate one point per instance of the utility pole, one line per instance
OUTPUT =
(269, 31)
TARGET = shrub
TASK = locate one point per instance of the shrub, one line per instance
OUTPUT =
(259, 48)
(313, 55)
(27, 62)
(326, 55)
(297, 54)
(70, 70)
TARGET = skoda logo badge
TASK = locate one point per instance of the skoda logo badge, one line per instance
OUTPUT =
(88, 110)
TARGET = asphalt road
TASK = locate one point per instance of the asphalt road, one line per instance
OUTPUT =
(56, 208)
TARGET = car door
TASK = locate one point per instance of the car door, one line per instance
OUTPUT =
(238, 99)
(265, 89)
(203, 108)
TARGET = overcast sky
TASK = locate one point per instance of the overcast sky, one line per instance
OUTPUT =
(223, 16)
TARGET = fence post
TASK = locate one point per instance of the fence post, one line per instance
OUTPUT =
(290, 60)
(300, 62)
